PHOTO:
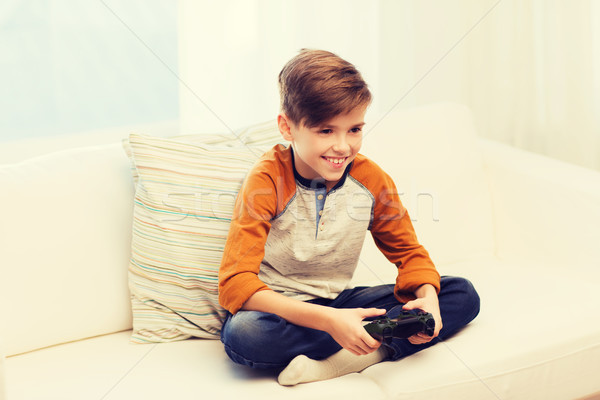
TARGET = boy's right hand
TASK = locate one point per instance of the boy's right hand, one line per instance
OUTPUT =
(345, 325)
(346, 328)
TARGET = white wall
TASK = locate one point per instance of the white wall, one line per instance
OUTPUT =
(231, 52)
(529, 69)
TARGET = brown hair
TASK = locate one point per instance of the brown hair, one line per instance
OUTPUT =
(317, 85)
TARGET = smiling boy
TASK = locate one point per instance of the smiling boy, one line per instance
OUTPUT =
(323, 152)
(298, 227)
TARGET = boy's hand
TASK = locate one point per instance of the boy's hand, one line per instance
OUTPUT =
(346, 328)
(427, 301)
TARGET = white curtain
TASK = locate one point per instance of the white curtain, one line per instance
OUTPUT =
(529, 69)
(536, 78)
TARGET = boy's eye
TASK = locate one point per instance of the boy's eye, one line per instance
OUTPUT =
(355, 130)
(325, 131)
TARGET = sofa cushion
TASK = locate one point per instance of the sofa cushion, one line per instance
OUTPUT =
(65, 241)
(185, 192)
(110, 368)
(531, 339)
(431, 153)
(516, 348)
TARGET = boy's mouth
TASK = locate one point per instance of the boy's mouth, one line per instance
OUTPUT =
(335, 161)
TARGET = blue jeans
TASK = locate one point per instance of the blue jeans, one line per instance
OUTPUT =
(264, 340)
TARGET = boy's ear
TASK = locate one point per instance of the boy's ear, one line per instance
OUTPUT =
(284, 127)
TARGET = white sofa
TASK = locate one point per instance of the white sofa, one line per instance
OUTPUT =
(523, 228)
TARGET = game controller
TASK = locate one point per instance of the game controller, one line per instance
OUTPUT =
(406, 324)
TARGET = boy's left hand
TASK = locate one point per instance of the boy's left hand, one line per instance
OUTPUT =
(427, 301)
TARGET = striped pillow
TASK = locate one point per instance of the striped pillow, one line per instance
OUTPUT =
(261, 136)
(264, 135)
(185, 193)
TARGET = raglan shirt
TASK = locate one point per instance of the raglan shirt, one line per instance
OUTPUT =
(291, 235)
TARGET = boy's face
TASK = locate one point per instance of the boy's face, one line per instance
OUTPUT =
(325, 151)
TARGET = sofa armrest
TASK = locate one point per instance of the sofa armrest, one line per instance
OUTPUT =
(544, 209)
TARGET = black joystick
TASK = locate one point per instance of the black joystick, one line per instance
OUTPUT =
(405, 325)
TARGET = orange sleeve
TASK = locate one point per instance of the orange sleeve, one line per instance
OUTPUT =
(257, 203)
(395, 236)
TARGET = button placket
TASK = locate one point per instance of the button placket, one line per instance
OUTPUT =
(320, 199)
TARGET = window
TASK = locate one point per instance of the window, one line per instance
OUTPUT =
(72, 66)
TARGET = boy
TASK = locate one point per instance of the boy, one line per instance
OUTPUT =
(296, 235)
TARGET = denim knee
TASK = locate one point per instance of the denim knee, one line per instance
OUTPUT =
(470, 300)
(263, 340)
(459, 305)
(461, 300)
(251, 338)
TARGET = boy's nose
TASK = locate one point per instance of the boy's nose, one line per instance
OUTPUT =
(341, 144)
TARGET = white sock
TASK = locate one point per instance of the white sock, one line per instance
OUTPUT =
(303, 369)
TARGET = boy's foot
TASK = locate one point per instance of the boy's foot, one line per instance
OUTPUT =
(303, 369)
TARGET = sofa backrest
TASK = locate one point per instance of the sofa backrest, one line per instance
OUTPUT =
(65, 234)
(65, 223)
(432, 154)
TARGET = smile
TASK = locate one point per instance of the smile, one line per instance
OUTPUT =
(336, 161)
